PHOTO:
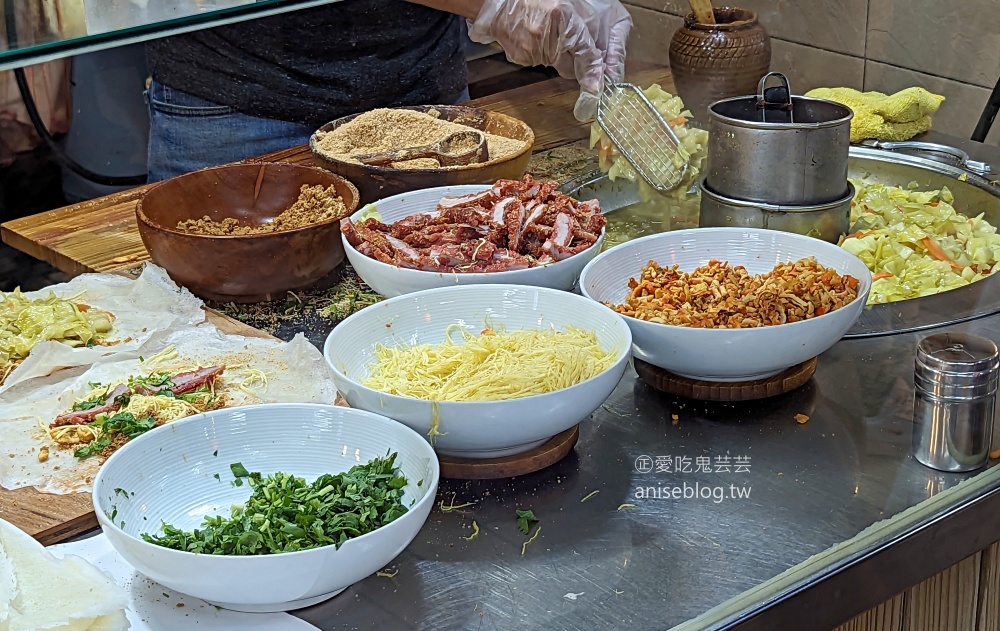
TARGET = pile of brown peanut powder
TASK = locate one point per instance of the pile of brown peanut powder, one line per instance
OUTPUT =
(384, 130)
(316, 204)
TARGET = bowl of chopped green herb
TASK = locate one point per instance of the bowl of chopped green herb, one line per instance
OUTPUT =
(299, 501)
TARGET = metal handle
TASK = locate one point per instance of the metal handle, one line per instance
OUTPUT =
(963, 158)
(776, 98)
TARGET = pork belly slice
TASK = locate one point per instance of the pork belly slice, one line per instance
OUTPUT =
(411, 223)
(454, 201)
(82, 417)
(474, 215)
(557, 246)
(499, 207)
(351, 232)
(444, 234)
(513, 219)
(404, 255)
(192, 380)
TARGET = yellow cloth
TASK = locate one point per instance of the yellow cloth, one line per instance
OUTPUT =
(878, 116)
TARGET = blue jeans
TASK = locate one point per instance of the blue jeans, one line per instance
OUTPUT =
(187, 133)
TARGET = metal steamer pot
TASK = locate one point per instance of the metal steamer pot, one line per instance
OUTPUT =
(778, 149)
(824, 221)
(974, 194)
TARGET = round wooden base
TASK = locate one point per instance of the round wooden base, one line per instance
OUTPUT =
(540, 457)
(670, 383)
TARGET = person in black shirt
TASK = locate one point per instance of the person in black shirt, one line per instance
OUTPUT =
(236, 91)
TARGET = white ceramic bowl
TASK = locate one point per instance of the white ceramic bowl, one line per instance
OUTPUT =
(474, 429)
(726, 354)
(167, 475)
(390, 281)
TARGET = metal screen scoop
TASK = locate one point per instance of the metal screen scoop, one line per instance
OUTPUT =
(641, 135)
(458, 148)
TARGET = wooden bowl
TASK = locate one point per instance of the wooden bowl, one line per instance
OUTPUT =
(376, 183)
(246, 268)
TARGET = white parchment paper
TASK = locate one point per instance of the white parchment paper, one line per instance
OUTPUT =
(153, 607)
(142, 308)
(296, 373)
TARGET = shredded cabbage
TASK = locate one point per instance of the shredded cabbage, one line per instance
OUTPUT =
(24, 323)
(677, 208)
(916, 243)
(370, 212)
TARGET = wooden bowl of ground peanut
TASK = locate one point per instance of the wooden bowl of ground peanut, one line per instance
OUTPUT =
(247, 232)
(336, 144)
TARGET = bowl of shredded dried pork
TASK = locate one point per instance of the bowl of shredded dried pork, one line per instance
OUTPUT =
(247, 232)
(483, 371)
(729, 304)
(336, 146)
(268, 507)
(518, 232)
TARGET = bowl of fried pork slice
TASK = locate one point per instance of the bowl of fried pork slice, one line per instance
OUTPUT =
(520, 232)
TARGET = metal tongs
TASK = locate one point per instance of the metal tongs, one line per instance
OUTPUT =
(932, 151)
(777, 99)
(641, 135)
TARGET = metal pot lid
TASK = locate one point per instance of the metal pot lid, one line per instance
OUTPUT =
(957, 352)
(776, 108)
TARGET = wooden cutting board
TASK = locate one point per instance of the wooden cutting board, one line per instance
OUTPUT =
(54, 518)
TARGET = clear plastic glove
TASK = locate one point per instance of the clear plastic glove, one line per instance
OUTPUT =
(582, 39)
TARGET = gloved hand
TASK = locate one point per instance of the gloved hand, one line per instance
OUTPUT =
(582, 39)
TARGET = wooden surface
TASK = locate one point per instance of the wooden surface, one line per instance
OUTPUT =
(54, 518)
(100, 235)
(670, 383)
(537, 459)
(946, 601)
(963, 597)
(886, 617)
(989, 590)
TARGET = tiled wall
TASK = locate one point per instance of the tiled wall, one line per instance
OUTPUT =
(952, 49)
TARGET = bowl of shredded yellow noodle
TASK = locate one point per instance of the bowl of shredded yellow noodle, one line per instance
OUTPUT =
(482, 371)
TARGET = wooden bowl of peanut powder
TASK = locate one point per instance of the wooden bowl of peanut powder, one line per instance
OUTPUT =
(247, 232)
(335, 145)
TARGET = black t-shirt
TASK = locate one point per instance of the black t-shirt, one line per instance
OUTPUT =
(313, 65)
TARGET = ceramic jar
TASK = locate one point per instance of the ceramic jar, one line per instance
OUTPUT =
(710, 62)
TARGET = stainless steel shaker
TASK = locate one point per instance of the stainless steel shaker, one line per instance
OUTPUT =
(955, 380)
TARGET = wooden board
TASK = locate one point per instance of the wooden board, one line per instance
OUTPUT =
(54, 518)
(100, 235)
(540, 457)
(670, 383)
(946, 601)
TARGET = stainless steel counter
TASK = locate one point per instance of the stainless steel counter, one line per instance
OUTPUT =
(775, 524)
(791, 491)
(705, 516)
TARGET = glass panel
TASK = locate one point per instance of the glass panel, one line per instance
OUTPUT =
(39, 30)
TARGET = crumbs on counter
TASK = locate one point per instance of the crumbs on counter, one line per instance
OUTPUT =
(325, 306)
(563, 163)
